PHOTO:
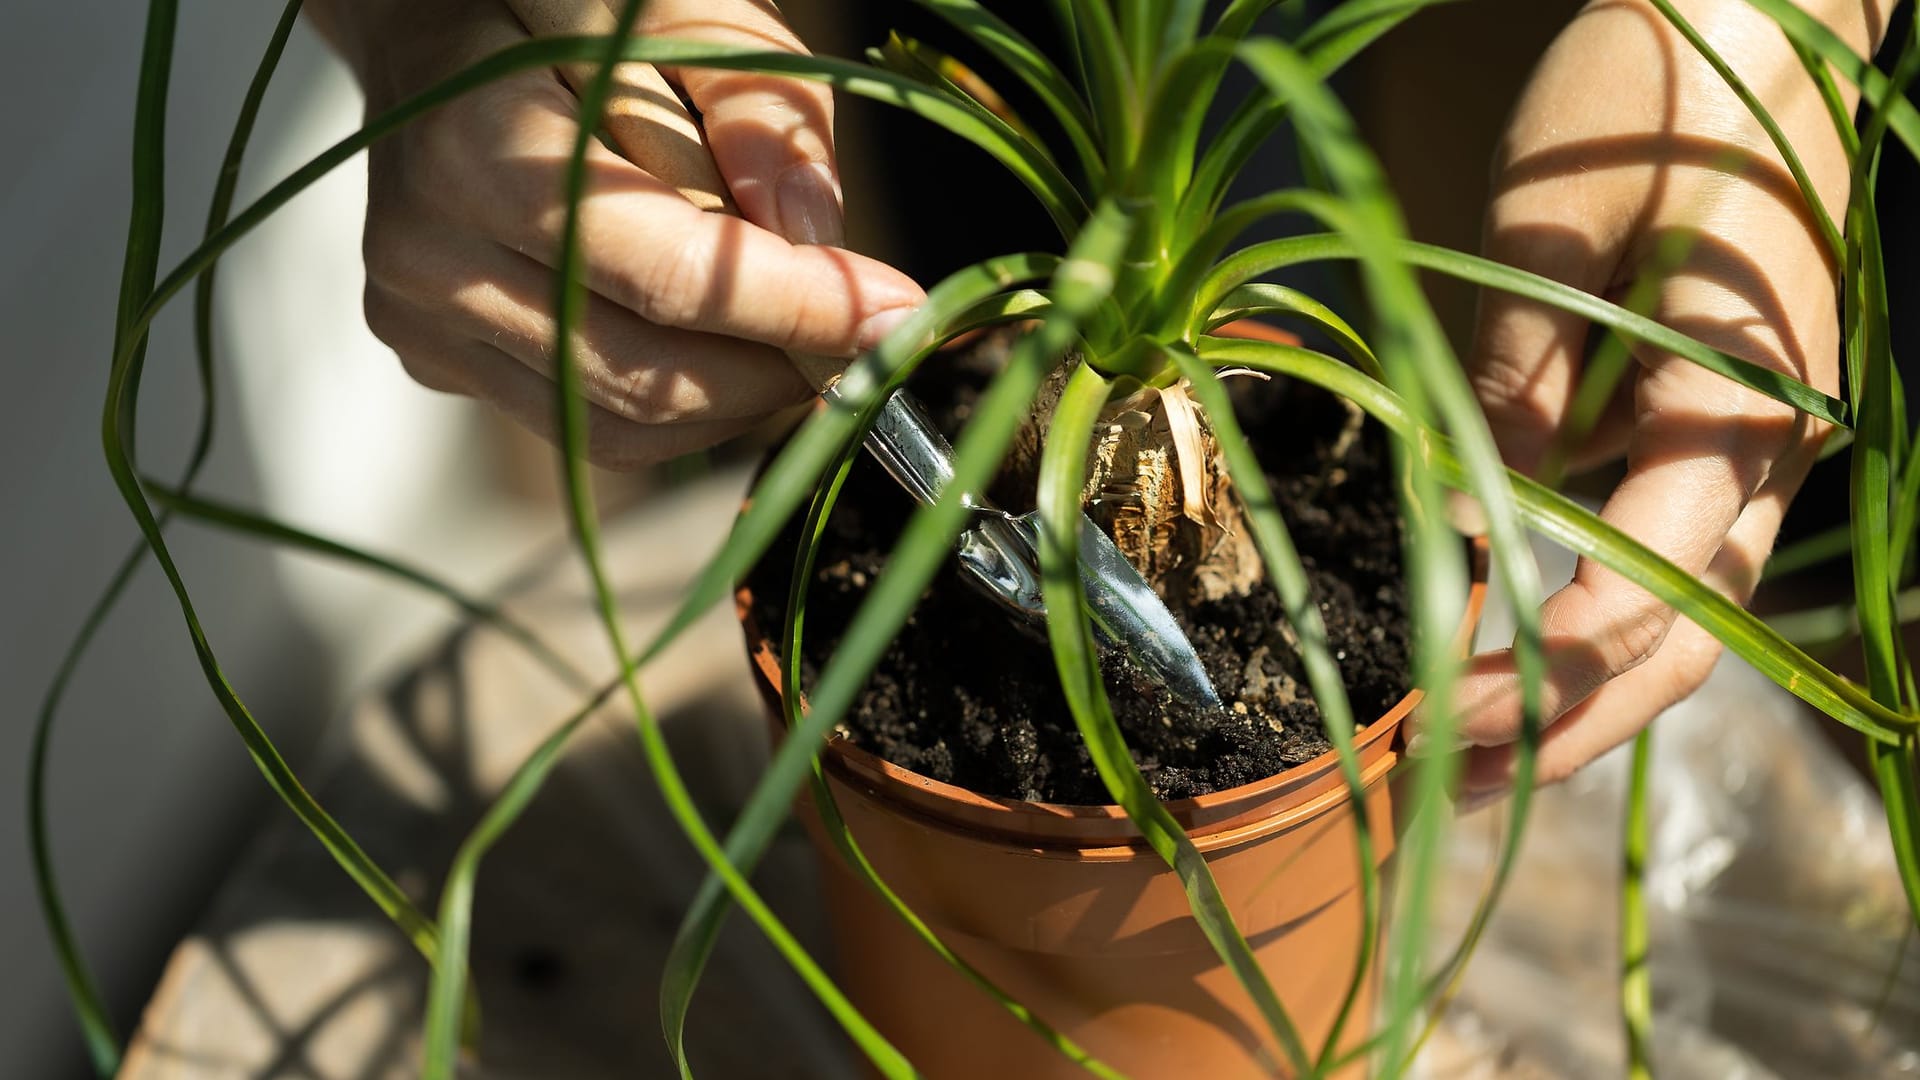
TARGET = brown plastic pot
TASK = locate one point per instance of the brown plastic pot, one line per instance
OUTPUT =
(1066, 909)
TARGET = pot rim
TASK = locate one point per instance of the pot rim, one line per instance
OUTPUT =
(1222, 817)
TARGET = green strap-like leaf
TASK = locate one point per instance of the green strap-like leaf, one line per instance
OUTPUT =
(1636, 976)
(1170, 131)
(806, 556)
(572, 407)
(1828, 231)
(236, 519)
(1252, 301)
(1339, 36)
(447, 995)
(1810, 33)
(1260, 259)
(1557, 518)
(117, 424)
(1289, 578)
(1821, 547)
(96, 1024)
(1199, 255)
(1418, 360)
(1056, 194)
(1062, 473)
(938, 71)
(1608, 364)
(1896, 768)
(1237, 18)
(1080, 284)
(97, 1028)
(450, 980)
(1876, 569)
(1109, 78)
(1140, 33)
(1033, 68)
(1838, 111)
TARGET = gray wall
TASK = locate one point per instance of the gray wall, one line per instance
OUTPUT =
(152, 793)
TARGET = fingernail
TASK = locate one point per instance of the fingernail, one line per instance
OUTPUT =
(810, 206)
(877, 327)
(1424, 745)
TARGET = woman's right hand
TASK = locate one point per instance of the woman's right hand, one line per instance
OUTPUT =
(682, 340)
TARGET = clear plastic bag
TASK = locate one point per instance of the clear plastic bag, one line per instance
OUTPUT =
(1776, 912)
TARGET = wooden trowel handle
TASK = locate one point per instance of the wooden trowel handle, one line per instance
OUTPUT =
(643, 117)
(821, 372)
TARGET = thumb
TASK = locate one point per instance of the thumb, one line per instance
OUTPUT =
(772, 137)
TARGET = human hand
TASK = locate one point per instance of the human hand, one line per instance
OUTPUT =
(1623, 138)
(681, 342)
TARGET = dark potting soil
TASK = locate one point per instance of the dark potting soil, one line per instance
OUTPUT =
(967, 697)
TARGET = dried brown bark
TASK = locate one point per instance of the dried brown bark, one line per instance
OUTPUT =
(1156, 481)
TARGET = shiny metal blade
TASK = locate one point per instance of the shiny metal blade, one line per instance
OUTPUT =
(1132, 617)
(1000, 553)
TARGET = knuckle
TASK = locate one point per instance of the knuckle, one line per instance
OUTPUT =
(393, 257)
(1509, 384)
(1692, 669)
(1767, 429)
(483, 156)
(1629, 638)
(647, 396)
(396, 326)
(432, 372)
(441, 149)
(384, 314)
(1738, 433)
(674, 287)
(1498, 375)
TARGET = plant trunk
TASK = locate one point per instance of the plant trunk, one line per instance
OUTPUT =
(1157, 482)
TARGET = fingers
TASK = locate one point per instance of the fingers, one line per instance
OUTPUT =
(643, 116)
(613, 442)
(690, 311)
(1594, 190)
(497, 170)
(772, 137)
(1526, 356)
(442, 361)
(645, 373)
(1699, 451)
(1568, 224)
(1613, 715)
(1700, 447)
(1617, 711)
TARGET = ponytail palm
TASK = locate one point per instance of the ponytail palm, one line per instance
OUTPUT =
(1149, 264)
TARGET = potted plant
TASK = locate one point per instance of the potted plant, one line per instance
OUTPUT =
(1120, 354)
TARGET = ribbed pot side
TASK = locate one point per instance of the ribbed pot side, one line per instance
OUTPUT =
(1065, 909)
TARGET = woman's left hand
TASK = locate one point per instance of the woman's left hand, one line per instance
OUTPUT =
(1626, 138)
